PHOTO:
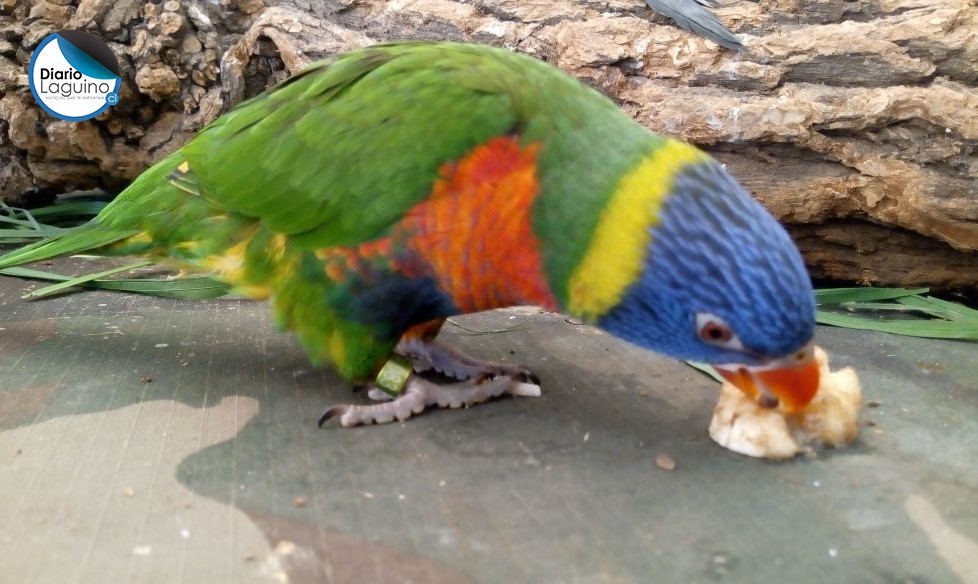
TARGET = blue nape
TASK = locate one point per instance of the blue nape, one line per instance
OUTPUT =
(717, 250)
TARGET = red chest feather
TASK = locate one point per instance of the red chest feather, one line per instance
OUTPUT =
(475, 232)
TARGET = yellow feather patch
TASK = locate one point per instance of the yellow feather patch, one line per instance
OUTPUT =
(615, 256)
(140, 238)
(231, 265)
(228, 265)
(337, 347)
(277, 245)
(253, 292)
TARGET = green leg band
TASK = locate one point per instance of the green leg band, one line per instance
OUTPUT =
(394, 375)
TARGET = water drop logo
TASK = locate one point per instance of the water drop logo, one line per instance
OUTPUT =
(74, 75)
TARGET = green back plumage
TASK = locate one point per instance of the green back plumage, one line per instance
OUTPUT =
(338, 153)
(589, 146)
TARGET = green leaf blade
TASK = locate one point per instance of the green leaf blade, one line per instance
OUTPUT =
(927, 328)
(829, 296)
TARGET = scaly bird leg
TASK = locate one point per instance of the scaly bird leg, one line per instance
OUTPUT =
(420, 393)
(480, 381)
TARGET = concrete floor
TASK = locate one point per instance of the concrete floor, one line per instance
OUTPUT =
(148, 440)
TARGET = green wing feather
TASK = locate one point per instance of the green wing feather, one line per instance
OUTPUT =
(332, 156)
(337, 154)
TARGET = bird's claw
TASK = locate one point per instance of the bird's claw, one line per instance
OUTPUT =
(400, 408)
(420, 393)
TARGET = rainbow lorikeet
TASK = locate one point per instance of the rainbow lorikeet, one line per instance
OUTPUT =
(374, 195)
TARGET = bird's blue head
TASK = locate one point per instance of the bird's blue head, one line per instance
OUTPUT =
(723, 283)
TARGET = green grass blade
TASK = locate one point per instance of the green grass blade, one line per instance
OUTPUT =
(78, 211)
(27, 235)
(33, 274)
(70, 282)
(707, 369)
(829, 296)
(942, 308)
(936, 329)
(192, 288)
(11, 217)
(878, 307)
(19, 222)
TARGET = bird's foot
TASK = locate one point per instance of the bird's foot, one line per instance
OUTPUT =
(420, 393)
(433, 356)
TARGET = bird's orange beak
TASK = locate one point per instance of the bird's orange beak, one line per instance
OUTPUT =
(791, 381)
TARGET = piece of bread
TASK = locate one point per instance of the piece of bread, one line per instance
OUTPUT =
(831, 419)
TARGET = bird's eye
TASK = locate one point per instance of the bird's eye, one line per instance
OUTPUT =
(713, 330)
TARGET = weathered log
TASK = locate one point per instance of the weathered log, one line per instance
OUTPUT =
(857, 121)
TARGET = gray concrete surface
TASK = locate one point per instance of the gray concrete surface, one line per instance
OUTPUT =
(147, 440)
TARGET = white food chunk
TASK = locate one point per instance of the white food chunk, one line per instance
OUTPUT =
(831, 419)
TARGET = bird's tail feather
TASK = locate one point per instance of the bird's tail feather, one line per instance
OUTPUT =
(119, 221)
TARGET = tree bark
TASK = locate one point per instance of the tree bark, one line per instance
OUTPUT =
(855, 122)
